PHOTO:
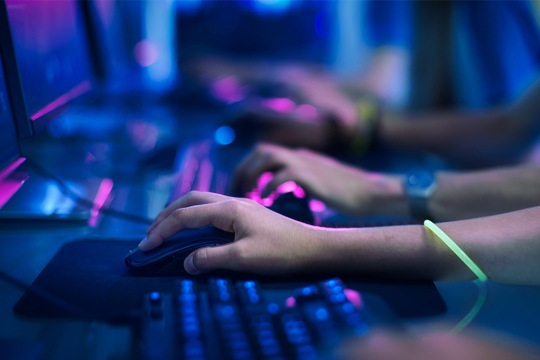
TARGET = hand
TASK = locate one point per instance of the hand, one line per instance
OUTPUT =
(434, 344)
(345, 188)
(283, 121)
(264, 243)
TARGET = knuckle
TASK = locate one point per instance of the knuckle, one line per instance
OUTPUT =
(233, 207)
(193, 195)
(177, 214)
(239, 256)
(201, 259)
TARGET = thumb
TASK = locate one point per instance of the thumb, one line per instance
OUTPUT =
(210, 258)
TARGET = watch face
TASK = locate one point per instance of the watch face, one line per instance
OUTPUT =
(420, 182)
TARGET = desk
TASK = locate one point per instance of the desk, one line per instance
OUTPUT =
(28, 247)
(509, 309)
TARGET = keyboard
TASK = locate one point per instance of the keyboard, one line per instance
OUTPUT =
(227, 319)
(205, 166)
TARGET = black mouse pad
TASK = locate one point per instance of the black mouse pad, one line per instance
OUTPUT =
(87, 279)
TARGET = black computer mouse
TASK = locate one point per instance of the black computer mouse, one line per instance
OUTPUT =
(168, 258)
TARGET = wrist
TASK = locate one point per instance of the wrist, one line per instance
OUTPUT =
(388, 196)
(418, 187)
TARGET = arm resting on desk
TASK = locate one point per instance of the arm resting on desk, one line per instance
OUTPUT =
(485, 137)
(505, 246)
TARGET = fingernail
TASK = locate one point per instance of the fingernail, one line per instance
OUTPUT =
(189, 265)
(143, 244)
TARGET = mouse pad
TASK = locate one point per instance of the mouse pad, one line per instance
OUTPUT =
(87, 279)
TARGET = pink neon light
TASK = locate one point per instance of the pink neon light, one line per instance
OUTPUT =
(354, 297)
(8, 189)
(286, 187)
(290, 301)
(62, 100)
(283, 105)
(263, 180)
(228, 89)
(316, 206)
(11, 168)
(102, 195)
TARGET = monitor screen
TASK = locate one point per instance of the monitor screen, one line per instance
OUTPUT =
(9, 147)
(11, 178)
(51, 53)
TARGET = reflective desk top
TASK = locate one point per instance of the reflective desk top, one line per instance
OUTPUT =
(28, 246)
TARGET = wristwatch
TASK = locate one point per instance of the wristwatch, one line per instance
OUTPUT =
(418, 186)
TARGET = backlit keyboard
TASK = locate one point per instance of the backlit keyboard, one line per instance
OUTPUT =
(235, 320)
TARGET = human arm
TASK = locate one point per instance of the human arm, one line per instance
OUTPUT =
(505, 246)
(357, 192)
(484, 137)
(435, 343)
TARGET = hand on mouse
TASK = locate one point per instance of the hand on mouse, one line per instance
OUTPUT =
(345, 188)
(265, 242)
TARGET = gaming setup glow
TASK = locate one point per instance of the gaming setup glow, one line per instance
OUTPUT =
(51, 63)
(45, 66)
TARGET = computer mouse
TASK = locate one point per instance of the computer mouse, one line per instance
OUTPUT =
(293, 207)
(168, 258)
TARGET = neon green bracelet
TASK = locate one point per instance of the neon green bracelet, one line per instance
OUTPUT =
(456, 249)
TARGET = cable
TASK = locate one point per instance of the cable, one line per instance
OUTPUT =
(67, 191)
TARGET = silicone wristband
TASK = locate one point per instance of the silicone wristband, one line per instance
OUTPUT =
(456, 250)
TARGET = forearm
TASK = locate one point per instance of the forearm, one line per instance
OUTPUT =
(506, 247)
(459, 195)
(473, 138)
(482, 193)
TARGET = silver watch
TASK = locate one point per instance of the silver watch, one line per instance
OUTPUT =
(418, 187)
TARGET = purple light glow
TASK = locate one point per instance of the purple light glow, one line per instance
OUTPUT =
(102, 195)
(228, 89)
(286, 187)
(11, 168)
(316, 206)
(8, 187)
(143, 135)
(282, 105)
(290, 302)
(146, 53)
(354, 297)
(62, 100)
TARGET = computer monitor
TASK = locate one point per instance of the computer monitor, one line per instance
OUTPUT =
(114, 29)
(11, 179)
(23, 195)
(47, 44)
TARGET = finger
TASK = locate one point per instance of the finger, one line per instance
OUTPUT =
(265, 158)
(220, 214)
(211, 258)
(278, 179)
(190, 199)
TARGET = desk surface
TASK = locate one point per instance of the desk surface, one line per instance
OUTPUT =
(27, 250)
(27, 247)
